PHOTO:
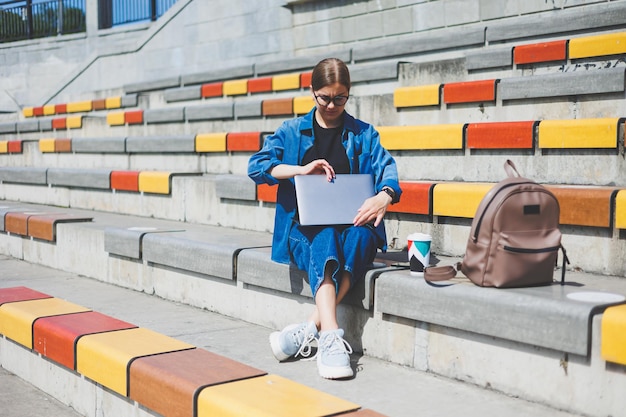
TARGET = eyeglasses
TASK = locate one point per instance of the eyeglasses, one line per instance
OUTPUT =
(326, 100)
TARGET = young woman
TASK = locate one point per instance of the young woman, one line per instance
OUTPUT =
(327, 141)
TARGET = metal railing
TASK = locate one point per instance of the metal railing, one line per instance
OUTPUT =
(29, 19)
(120, 12)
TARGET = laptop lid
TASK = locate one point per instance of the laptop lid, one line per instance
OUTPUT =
(321, 202)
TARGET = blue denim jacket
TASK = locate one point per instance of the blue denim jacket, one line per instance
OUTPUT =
(289, 144)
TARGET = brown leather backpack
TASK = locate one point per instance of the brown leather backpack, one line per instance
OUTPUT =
(514, 239)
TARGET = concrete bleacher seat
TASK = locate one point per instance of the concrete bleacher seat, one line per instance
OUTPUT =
(106, 144)
(24, 175)
(491, 58)
(159, 144)
(228, 73)
(539, 316)
(75, 177)
(167, 115)
(435, 40)
(151, 85)
(553, 22)
(158, 372)
(256, 269)
(563, 84)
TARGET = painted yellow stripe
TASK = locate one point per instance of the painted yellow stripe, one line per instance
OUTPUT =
(113, 102)
(79, 106)
(620, 209)
(423, 95)
(157, 182)
(269, 396)
(74, 122)
(49, 109)
(28, 111)
(211, 142)
(4, 146)
(613, 348)
(578, 133)
(458, 199)
(16, 319)
(448, 136)
(115, 118)
(46, 145)
(286, 82)
(235, 87)
(598, 45)
(303, 104)
(104, 357)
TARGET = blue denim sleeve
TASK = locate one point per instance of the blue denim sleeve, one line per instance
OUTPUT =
(383, 166)
(261, 163)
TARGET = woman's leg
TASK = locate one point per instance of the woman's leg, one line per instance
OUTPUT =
(324, 314)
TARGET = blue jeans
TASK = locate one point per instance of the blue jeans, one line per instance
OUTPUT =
(349, 248)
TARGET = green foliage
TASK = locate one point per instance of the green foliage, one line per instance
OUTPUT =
(11, 26)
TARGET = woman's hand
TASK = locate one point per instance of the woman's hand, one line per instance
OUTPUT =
(373, 209)
(319, 166)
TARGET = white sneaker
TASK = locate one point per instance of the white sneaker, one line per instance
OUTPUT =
(293, 340)
(333, 356)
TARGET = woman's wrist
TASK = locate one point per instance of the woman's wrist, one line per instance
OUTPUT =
(387, 196)
(390, 192)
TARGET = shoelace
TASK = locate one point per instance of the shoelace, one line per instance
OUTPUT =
(335, 344)
(305, 347)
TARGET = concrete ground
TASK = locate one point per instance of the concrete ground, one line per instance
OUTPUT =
(390, 389)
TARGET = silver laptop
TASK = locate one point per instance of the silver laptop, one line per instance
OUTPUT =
(321, 202)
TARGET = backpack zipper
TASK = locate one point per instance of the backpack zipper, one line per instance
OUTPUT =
(524, 250)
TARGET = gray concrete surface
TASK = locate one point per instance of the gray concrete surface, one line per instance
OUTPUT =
(387, 388)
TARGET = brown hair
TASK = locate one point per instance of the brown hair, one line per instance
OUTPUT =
(330, 71)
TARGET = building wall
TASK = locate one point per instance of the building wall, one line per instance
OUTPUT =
(198, 35)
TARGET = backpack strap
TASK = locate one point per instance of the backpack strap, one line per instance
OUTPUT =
(441, 273)
(565, 260)
(511, 169)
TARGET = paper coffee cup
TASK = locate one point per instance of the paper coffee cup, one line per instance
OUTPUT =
(419, 252)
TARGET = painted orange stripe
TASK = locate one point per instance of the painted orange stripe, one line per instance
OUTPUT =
(125, 180)
(266, 193)
(506, 135)
(14, 146)
(469, 91)
(14, 294)
(415, 198)
(305, 79)
(133, 117)
(243, 141)
(212, 90)
(540, 52)
(59, 123)
(260, 85)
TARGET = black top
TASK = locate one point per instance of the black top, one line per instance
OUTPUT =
(328, 145)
